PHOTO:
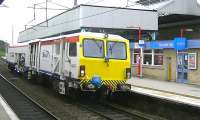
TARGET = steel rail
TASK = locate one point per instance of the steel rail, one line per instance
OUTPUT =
(37, 112)
(109, 112)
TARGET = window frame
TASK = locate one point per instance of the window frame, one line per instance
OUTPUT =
(152, 57)
(118, 42)
(134, 58)
(69, 51)
(148, 53)
(103, 56)
(57, 49)
(154, 54)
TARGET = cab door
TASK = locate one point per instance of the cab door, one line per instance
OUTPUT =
(73, 60)
(70, 59)
(56, 58)
(66, 60)
(34, 48)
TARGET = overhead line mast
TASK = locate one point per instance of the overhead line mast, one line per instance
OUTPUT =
(75, 3)
(44, 6)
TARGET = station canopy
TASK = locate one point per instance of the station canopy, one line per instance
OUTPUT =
(174, 12)
(92, 18)
(168, 7)
(149, 2)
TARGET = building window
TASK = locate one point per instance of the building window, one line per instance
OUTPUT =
(147, 57)
(136, 55)
(150, 57)
(57, 49)
(158, 57)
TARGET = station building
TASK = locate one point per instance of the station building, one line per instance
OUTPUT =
(174, 55)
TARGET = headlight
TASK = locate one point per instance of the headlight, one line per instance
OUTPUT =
(82, 70)
(128, 73)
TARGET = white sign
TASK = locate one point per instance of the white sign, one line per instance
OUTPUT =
(141, 42)
(192, 61)
(136, 46)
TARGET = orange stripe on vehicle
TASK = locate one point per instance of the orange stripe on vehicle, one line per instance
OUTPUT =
(50, 42)
(72, 39)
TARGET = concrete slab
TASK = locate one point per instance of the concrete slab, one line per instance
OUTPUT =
(6, 113)
(181, 93)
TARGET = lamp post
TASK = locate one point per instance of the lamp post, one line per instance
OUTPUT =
(141, 44)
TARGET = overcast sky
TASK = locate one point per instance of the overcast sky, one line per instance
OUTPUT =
(17, 14)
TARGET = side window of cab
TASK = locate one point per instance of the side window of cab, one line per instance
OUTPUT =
(72, 49)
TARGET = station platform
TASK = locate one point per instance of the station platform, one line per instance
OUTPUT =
(177, 92)
(6, 113)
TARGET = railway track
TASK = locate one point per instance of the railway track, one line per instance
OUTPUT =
(23, 106)
(110, 112)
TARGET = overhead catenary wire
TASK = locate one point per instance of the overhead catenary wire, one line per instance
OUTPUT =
(93, 15)
(46, 9)
(88, 1)
(59, 5)
(91, 1)
(83, 17)
(95, 2)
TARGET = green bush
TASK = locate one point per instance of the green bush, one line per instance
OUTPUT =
(2, 52)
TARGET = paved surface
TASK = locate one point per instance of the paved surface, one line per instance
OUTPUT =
(183, 93)
(6, 112)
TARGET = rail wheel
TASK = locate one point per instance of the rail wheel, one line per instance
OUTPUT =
(32, 76)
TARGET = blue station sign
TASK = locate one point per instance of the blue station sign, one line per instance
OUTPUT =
(177, 44)
(180, 43)
(161, 44)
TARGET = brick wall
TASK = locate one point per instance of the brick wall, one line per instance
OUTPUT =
(194, 75)
(159, 72)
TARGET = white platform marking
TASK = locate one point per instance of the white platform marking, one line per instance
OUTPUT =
(8, 110)
(168, 96)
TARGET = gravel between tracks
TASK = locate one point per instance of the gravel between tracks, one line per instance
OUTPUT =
(49, 99)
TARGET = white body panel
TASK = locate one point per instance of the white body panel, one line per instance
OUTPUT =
(55, 59)
(11, 55)
(70, 63)
(14, 51)
(46, 58)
